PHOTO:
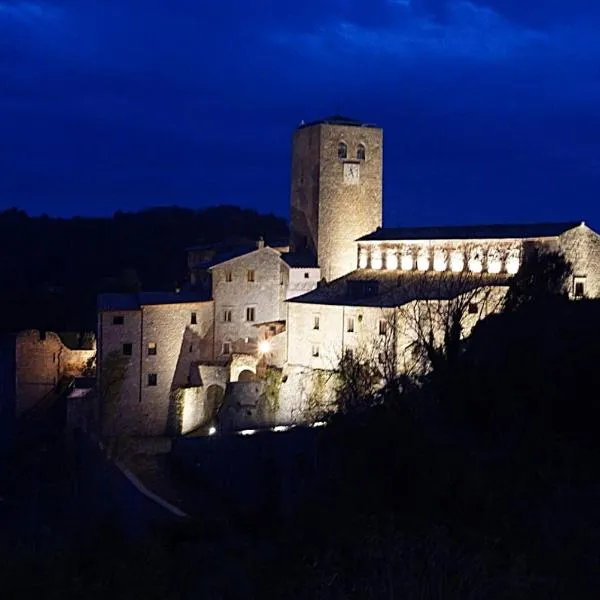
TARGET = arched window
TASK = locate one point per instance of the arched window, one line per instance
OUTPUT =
(361, 152)
(342, 150)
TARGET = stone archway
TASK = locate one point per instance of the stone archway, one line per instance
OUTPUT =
(214, 400)
(246, 375)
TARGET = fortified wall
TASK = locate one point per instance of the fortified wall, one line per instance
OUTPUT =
(42, 359)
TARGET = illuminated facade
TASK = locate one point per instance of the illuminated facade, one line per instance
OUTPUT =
(333, 290)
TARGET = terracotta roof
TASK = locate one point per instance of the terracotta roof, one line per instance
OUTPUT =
(471, 232)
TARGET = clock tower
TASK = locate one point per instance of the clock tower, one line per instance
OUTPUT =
(336, 195)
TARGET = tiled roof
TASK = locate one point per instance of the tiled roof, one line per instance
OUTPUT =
(111, 302)
(300, 260)
(387, 289)
(470, 232)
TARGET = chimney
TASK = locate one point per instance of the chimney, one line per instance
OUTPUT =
(260, 243)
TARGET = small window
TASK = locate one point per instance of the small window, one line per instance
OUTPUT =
(151, 348)
(127, 349)
(349, 353)
(227, 315)
(342, 150)
(250, 313)
(228, 276)
(306, 275)
(152, 379)
(191, 348)
(251, 276)
(381, 358)
(579, 287)
(118, 320)
(226, 347)
(42, 336)
(350, 325)
(194, 319)
(382, 327)
(316, 322)
(361, 152)
(473, 308)
(315, 351)
(54, 357)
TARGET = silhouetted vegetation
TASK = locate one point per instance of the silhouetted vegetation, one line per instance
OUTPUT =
(52, 269)
(485, 487)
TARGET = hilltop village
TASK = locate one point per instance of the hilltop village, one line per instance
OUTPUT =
(256, 336)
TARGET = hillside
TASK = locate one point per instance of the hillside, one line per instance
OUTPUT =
(52, 269)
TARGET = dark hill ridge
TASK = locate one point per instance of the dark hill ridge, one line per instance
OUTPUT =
(51, 269)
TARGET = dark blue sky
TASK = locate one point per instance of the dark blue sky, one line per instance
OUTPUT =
(490, 108)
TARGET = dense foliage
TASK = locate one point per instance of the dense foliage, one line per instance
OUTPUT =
(52, 269)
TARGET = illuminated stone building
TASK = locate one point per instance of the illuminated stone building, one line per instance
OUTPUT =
(336, 288)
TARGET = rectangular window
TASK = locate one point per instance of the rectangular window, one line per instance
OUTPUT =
(473, 308)
(306, 275)
(251, 275)
(191, 348)
(382, 326)
(250, 313)
(127, 349)
(227, 315)
(579, 287)
(228, 276)
(315, 351)
(194, 319)
(316, 322)
(151, 348)
(226, 347)
(349, 353)
(118, 320)
(350, 325)
(152, 379)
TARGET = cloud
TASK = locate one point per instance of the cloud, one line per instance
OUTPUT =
(469, 31)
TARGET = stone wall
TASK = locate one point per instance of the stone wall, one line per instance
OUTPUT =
(581, 246)
(383, 335)
(166, 344)
(347, 212)
(41, 361)
(327, 215)
(266, 295)
(304, 192)
(125, 415)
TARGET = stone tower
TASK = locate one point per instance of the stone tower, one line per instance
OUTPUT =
(336, 195)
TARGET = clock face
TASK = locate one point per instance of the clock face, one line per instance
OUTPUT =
(351, 173)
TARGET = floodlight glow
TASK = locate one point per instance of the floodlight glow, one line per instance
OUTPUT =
(363, 260)
(512, 265)
(319, 424)
(281, 428)
(212, 431)
(423, 262)
(264, 347)
(391, 260)
(439, 261)
(247, 431)
(494, 265)
(406, 262)
(457, 262)
(376, 259)
(475, 265)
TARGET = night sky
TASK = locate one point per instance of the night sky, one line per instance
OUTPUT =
(490, 108)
